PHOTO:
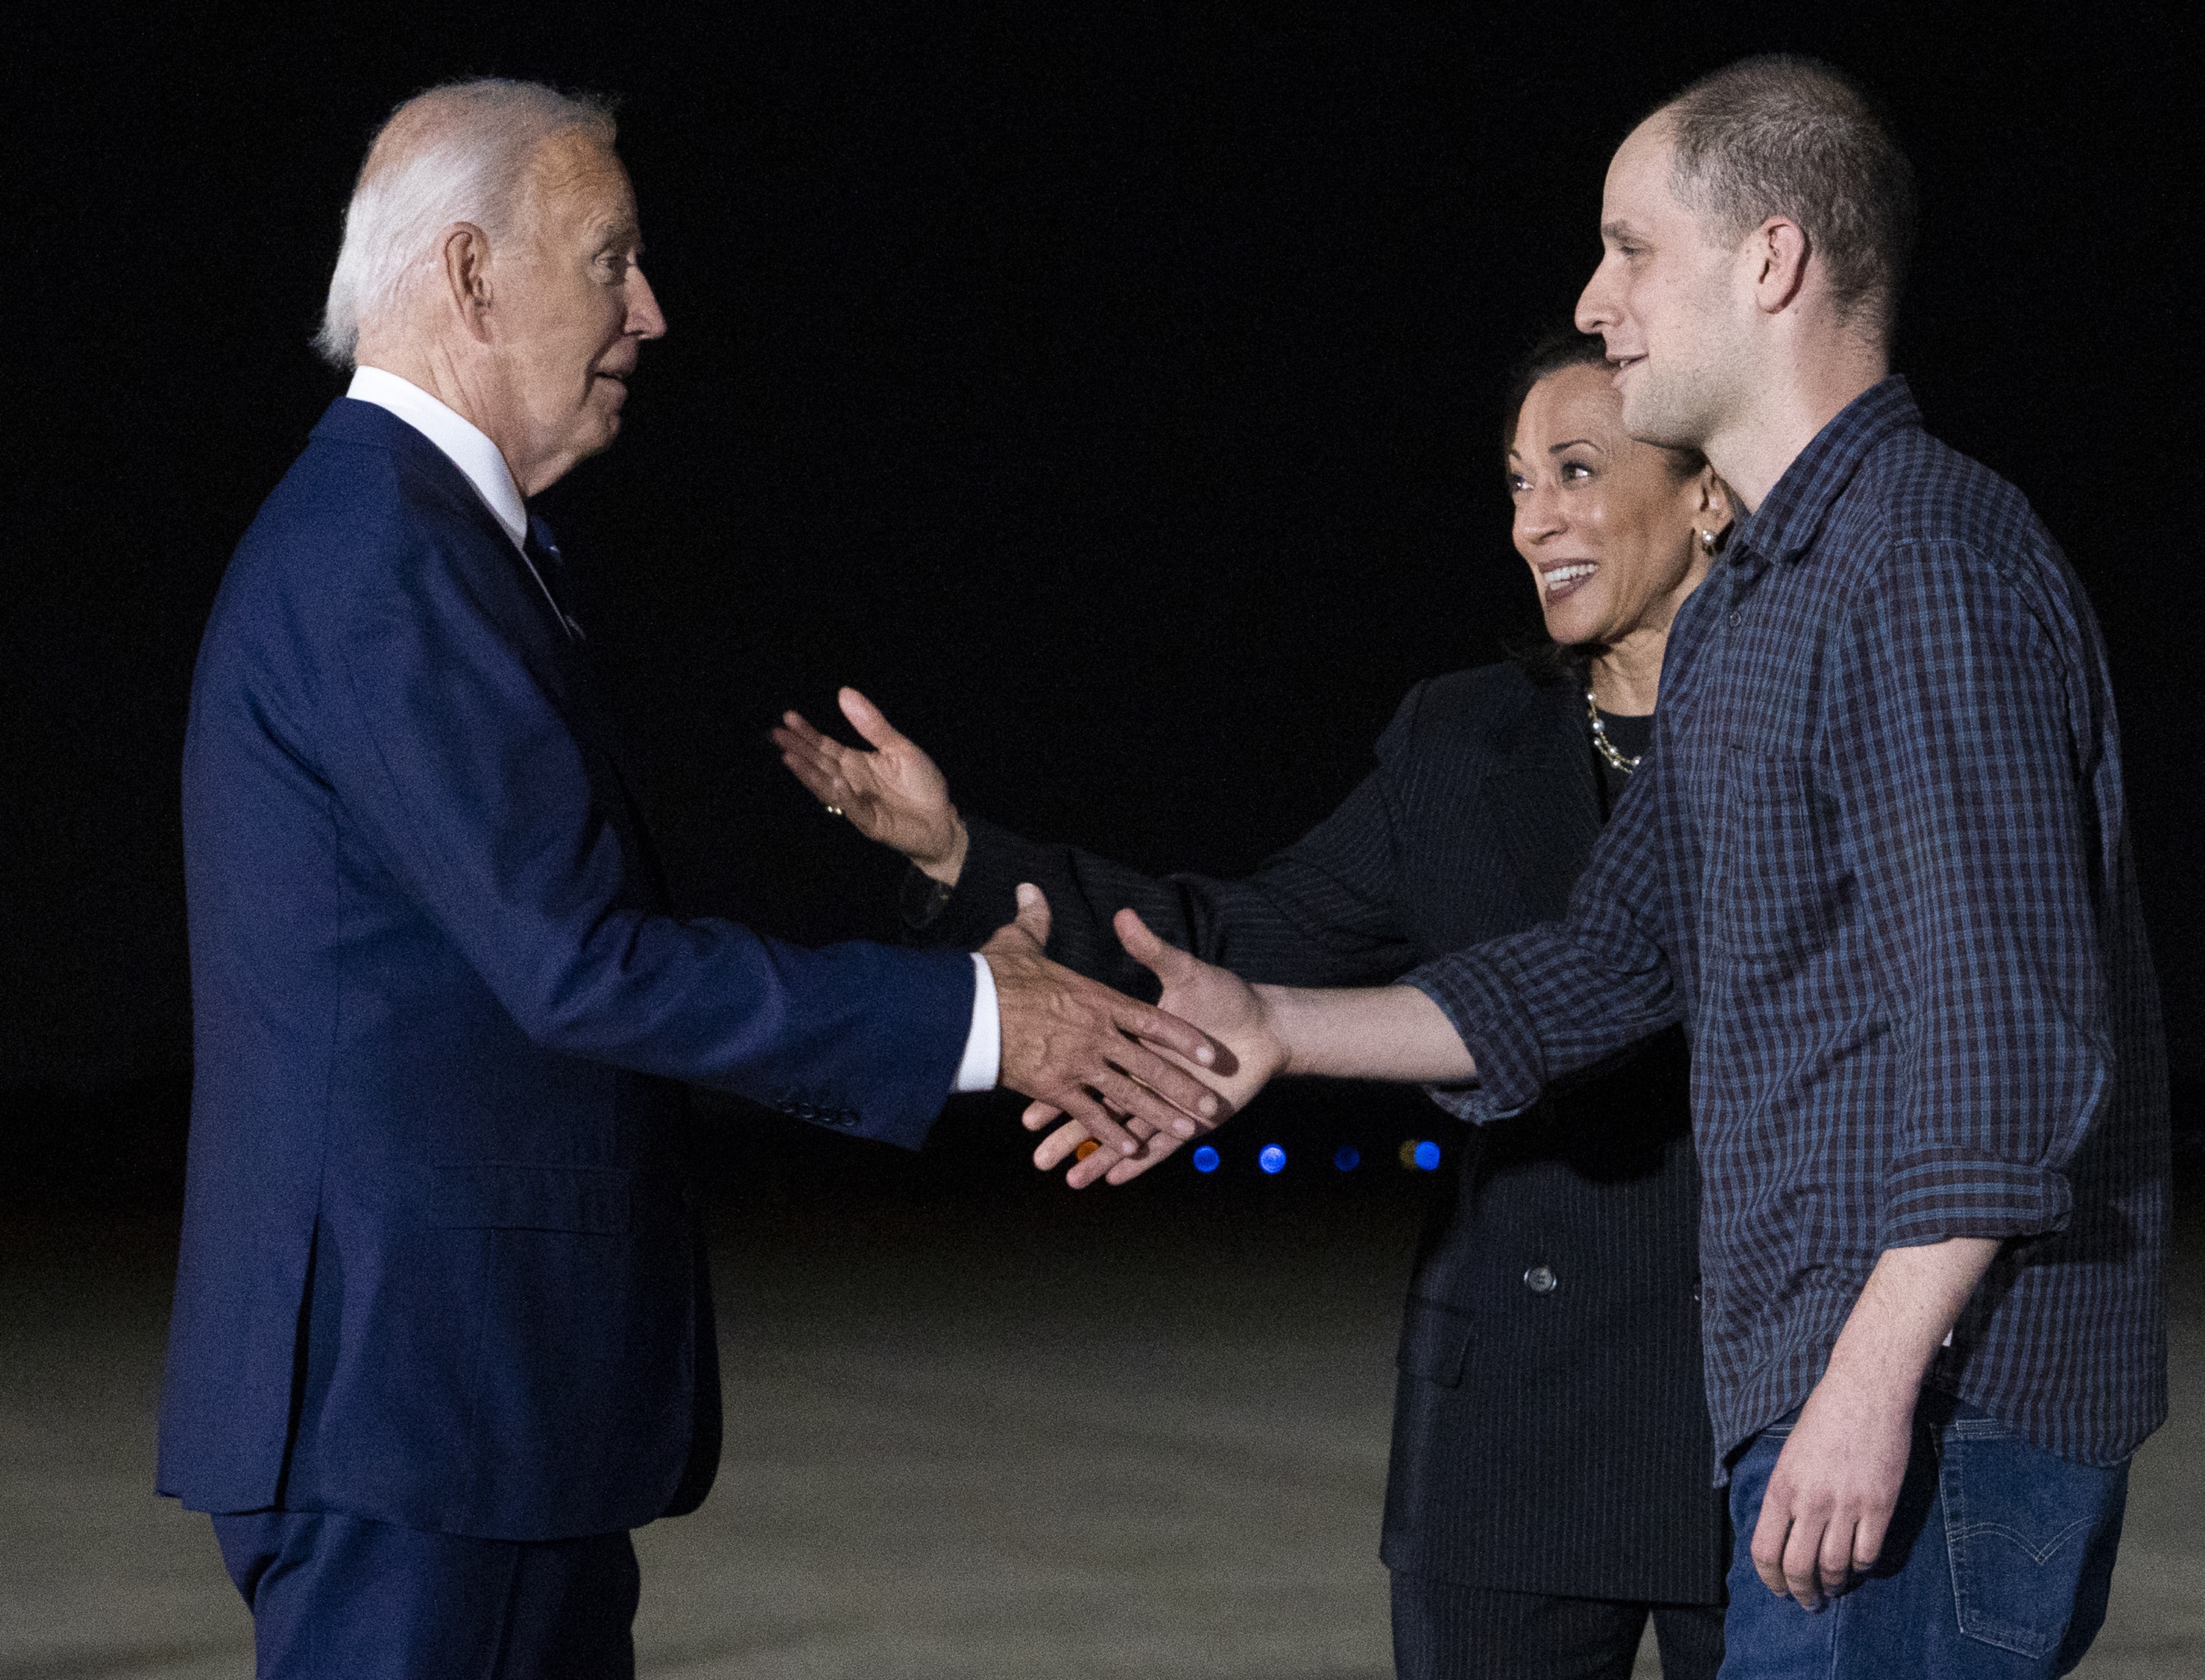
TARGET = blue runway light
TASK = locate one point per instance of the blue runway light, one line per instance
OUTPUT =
(1273, 1160)
(1205, 1159)
(1428, 1154)
(1347, 1158)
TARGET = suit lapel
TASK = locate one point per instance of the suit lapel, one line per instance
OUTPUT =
(532, 621)
(558, 652)
(1540, 794)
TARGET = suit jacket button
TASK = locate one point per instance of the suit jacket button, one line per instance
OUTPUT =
(1541, 1280)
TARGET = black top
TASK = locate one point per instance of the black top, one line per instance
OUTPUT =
(1550, 1433)
(1629, 736)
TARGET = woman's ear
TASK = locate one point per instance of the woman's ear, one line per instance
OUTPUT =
(1715, 500)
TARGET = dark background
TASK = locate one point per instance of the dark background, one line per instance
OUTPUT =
(1109, 393)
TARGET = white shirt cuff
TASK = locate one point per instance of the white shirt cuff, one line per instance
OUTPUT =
(983, 1045)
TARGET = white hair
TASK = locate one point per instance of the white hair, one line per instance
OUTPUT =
(460, 152)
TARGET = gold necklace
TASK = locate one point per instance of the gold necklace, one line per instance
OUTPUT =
(1600, 742)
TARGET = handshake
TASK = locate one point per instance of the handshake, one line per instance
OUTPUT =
(1132, 1081)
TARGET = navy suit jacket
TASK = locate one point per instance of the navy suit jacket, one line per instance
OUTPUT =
(439, 1265)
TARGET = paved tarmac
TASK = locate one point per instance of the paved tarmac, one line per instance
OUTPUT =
(1052, 1436)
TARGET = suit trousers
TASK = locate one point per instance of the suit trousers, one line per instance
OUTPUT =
(1443, 1630)
(341, 1598)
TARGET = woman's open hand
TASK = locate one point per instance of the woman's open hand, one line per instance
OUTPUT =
(893, 793)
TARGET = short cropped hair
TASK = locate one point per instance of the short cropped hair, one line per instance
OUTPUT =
(1780, 135)
(460, 152)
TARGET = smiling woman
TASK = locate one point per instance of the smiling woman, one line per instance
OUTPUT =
(1617, 533)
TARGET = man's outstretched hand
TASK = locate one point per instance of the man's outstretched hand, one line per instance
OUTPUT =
(1231, 1012)
(1081, 1049)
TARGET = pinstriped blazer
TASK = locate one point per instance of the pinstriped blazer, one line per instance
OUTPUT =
(1549, 1440)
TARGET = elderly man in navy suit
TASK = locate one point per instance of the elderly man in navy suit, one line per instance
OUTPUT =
(442, 1335)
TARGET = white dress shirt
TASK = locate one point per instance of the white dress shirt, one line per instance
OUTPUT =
(468, 448)
(466, 444)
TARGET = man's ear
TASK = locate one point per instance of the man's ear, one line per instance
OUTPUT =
(1778, 251)
(465, 254)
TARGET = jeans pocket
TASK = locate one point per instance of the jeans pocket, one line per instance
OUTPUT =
(2030, 1537)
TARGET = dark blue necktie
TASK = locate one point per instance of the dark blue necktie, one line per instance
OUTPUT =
(544, 561)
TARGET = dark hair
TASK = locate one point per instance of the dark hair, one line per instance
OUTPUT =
(1543, 659)
(1780, 135)
(1563, 347)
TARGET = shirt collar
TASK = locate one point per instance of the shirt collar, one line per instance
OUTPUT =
(1785, 523)
(467, 446)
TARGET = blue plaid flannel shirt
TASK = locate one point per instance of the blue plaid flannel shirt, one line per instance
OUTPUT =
(1877, 861)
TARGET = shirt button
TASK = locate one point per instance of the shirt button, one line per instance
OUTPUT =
(1541, 1280)
(1737, 619)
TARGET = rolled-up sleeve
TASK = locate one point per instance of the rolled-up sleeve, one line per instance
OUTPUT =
(1963, 827)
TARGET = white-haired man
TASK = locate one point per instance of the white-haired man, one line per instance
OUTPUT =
(442, 1336)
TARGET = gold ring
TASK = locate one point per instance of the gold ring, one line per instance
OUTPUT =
(834, 811)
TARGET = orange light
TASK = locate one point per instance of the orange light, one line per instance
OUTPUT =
(1086, 1149)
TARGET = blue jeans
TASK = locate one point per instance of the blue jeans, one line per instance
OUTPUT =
(1996, 1565)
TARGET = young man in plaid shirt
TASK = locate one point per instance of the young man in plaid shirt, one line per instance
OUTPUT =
(1877, 862)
